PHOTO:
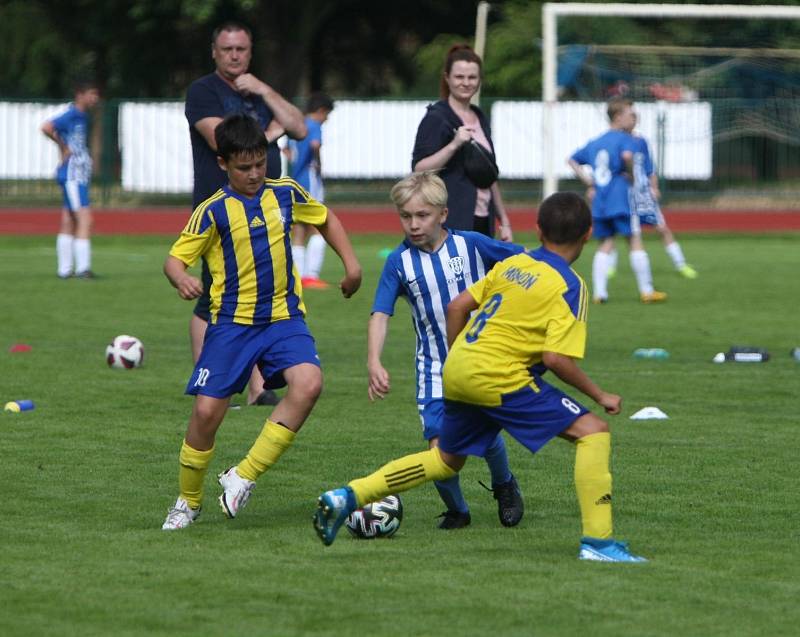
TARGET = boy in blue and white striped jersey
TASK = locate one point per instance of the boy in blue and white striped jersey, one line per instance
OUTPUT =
(429, 268)
(70, 131)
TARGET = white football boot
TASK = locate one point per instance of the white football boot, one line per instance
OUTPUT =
(235, 492)
(180, 516)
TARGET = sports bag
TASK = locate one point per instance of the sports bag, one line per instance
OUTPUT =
(479, 164)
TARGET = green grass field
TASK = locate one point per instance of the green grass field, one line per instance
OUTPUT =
(710, 495)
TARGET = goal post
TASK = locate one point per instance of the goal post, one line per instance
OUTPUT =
(552, 11)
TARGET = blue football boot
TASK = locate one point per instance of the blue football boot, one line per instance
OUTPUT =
(606, 551)
(333, 508)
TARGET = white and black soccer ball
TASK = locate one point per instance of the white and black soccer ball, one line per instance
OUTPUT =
(125, 352)
(377, 519)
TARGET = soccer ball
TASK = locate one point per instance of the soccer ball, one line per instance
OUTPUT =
(125, 352)
(377, 519)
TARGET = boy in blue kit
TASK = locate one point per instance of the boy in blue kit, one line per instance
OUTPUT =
(306, 161)
(529, 316)
(70, 131)
(611, 159)
(645, 209)
(257, 312)
(432, 266)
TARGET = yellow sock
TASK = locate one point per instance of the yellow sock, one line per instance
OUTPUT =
(400, 475)
(273, 440)
(593, 484)
(194, 465)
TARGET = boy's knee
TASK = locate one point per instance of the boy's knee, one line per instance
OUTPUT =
(586, 425)
(592, 425)
(307, 384)
(205, 414)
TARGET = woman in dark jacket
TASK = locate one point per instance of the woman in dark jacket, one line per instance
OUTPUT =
(448, 125)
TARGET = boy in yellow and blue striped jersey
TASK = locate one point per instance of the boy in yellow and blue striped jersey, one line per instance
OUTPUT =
(257, 312)
(528, 316)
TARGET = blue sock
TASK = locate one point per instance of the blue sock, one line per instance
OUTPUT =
(450, 492)
(497, 459)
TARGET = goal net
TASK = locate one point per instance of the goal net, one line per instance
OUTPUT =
(745, 72)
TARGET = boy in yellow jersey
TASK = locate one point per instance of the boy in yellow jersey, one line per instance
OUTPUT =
(529, 316)
(257, 312)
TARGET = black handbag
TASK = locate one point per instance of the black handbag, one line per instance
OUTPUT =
(479, 164)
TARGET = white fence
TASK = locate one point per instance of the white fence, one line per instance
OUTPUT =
(25, 153)
(362, 140)
(155, 147)
(517, 133)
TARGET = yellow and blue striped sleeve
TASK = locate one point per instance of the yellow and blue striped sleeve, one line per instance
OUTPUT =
(195, 237)
(305, 208)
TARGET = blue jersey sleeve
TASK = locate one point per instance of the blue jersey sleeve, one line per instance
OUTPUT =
(493, 251)
(582, 156)
(389, 287)
(648, 161)
(62, 123)
(314, 131)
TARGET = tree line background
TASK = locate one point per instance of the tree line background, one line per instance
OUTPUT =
(353, 48)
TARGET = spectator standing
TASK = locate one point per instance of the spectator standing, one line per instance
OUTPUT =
(443, 136)
(232, 89)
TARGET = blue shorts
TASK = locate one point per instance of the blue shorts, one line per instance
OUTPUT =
(532, 418)
(76, 195)
(651, 218)
(231, 350)
(605, 227)
(431, 413)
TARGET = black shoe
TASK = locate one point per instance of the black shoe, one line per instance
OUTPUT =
(454, 520)
(86, 274)
(510, 505)
(267, 397)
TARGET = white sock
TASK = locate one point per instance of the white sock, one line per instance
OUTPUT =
(315, 255)
(600, 274)
(613, 256)
(299, 258)
(64, 253)
(83, 255)
(676, 254)
(640, 263)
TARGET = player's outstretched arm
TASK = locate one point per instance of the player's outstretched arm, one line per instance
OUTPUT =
(189, 287)
(458, 311)
(335, 236)
(379, 384)
(567, 370)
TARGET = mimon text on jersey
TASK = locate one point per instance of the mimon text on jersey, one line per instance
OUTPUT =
(429, 281)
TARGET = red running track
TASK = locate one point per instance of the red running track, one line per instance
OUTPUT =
(170, 221)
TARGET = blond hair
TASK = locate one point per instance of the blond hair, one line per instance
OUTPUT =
(427, 184)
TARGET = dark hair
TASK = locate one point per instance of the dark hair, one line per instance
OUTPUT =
(83, 83)
(457, 53)
(564, 217)
(239, 134)
(317, 101)
(230, 25)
